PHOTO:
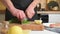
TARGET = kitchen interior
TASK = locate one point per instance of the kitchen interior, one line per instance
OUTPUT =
(46, 12)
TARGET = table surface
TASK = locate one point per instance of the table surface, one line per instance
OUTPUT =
(43, 32)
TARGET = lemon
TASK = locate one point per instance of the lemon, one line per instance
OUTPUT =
(38, 21)
(15, 30)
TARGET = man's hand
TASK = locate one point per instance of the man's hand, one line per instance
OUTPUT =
(18, 13)
(30, 12)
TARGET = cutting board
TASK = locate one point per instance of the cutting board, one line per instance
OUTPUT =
(33, 27)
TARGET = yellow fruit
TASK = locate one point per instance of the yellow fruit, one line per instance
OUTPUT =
(38, 21)
(15, 30)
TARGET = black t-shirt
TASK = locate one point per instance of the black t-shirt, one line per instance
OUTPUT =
(22, 4)
(19, 4)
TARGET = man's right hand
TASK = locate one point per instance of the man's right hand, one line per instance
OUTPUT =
(18, 13)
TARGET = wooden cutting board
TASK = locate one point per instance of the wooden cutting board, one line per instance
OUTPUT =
(29, 26)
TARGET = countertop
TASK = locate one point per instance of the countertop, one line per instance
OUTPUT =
(44, 31)
(48, 12)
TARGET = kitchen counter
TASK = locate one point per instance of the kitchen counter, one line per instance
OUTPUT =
(41, 32)
(48, 12)
(44, 31)
(53, 29)
(2, 11)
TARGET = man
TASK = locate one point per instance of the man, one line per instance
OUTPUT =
(16, 8)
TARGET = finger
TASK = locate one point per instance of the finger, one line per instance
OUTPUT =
(29, 15)
(18, 15)
(20, 18)
(23, 15)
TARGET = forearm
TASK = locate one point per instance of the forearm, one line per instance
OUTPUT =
(8, 4)
(33, 4)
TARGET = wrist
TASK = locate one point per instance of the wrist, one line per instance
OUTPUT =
(13, 11)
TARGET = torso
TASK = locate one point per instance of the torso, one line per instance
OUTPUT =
(21, 4)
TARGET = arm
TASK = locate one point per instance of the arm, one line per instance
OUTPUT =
(15, 12)
(8, 4)
(30, 10)
(34, 3)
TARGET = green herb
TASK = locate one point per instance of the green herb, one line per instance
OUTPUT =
(25, 21)
(14, 20)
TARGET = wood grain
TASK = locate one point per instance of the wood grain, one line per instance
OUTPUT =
(30, 26)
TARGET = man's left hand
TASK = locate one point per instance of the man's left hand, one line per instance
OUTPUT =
(30, 12)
